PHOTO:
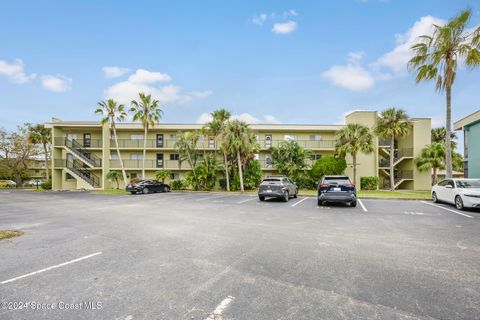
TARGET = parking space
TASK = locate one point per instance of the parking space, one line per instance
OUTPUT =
(185, 255)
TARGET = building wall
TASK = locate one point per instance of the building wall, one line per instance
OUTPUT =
(472, 133)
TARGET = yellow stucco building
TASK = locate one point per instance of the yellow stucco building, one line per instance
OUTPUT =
(83, 151)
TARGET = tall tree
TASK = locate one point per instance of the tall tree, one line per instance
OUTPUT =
(187, 148)
(207, 171)
(38, 134)
(432, 157)
(290, 159)
(112, 113)
(239, 140)
(352, 139)
(148, 112)
(216, 127)
(393, 124)
(436, 57)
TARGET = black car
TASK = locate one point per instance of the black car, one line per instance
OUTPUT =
(338, 189)
(277, 187)
(147, 186)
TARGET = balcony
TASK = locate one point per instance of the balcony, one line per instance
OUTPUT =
(92, 143)
(384, 143)
(153, 143)
(307, 144)
(150, 164)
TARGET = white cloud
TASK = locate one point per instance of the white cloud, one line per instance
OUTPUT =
(285, 27)
(15, 71)
(355, 57)
(247, 117)
(144, 76)
(56, 83)
(292, 13)
(147, 82)
(396, 60)
(260, 19)
(351, 77)
(114, 72)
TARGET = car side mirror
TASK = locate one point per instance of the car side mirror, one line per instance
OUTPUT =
(448, 186)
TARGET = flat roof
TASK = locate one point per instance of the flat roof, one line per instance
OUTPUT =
(465, 121)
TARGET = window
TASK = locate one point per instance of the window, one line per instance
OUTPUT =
(315, 137)
(256, 156)
(268, 161)
(87, 140)
(68, 176)
(268, 141)
(289, 137)
(136, 156)
(174, 176)
(451, 183)
(443, 183)
(159, 160)
(174, 156)
(71, 136)
(173, 136)
(159, 140)
(136, 137)
(37, 171)
(114, 156)
(315, 157)
(211, 142)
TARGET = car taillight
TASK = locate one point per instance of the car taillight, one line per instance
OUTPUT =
(350, 185)
(324, 186)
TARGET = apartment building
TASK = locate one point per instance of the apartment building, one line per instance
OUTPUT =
(83, 151)
(470, 126)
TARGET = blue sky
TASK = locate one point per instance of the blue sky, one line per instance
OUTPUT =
(266, 61)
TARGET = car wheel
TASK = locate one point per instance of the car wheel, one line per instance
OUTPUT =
(353, 204)
(320, 203)
(434, 197)
(286, 196)
(262, 198)
(166, 189)
(133, 192)
(459, 203)
(145, 191)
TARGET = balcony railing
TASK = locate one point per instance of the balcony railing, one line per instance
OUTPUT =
(307, 144)
(154, 143)
(150, 164)
(384, 142)
(92, 143)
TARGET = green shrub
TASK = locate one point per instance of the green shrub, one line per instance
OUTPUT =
(46, 185)
(178, 185)
(369, 183)
(327, 166)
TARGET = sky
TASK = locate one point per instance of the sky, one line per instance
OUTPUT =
(266, 61)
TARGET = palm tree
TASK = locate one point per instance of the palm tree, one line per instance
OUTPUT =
(436, 57)
(438, 135)
(352, 139)
(148, 112)
(162, 174)
(432, 157)
(38, 134)
(216, 127)
(393, 124)
(187, 149)
(290, 159)
(112, 113)
(238, 140)
(207, 171)
(114, 175)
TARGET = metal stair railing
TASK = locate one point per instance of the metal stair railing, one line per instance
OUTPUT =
(77, 167)
(84, 154)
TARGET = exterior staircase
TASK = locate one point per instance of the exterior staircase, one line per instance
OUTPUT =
(77, 169)
(83, 154)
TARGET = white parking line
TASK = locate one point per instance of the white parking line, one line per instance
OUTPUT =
(436, 205)
(361, 204)
(293, 205)
(50, 268)
(220, 308)
(243, 201)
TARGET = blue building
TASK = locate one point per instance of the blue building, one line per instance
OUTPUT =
(470, 125)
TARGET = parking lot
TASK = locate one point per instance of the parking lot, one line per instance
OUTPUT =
(230, 256)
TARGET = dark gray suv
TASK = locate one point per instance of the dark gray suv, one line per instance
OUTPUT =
(337, 189)
(277, 187)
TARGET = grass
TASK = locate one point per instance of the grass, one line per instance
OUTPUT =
(110, 191)
(6, 234)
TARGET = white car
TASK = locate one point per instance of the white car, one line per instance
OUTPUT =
(463, 193)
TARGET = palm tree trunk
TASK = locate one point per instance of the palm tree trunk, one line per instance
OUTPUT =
(46, 161)
(448, 136)
(240, 172)
(124, 174)
(354, 157)
(116, 180)
(226, 169)
(434, 176)
(392, 161)
(144, 152)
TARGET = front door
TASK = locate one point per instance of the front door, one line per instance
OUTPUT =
(159, 160)
(87, 140)
(160, 140)
(268, 141)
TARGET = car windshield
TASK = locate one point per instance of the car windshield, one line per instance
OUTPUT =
(337, 180)
(272, 180)
(468, 184)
